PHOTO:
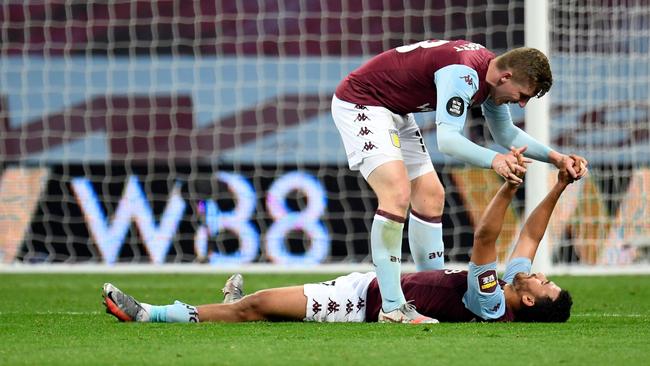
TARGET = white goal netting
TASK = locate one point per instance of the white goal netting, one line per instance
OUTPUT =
(199, 132)
(601, 60)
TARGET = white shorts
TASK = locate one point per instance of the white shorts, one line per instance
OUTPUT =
(340, 300)
(373, 136)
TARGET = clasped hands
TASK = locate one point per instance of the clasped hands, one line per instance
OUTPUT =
(512, 165)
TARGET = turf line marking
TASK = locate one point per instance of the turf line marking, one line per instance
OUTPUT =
(51, 313)
(611, 315)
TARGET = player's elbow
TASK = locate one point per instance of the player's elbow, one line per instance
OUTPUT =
(484, 236)
(445, 148)
(445, 142)
(448, 138)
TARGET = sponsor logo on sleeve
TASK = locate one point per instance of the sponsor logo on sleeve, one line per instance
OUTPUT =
(455, 106)
(487, 281)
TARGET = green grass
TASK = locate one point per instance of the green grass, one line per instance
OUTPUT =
(59, 319)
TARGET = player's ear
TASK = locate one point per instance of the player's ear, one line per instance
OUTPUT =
(505, 76)
(527, 299)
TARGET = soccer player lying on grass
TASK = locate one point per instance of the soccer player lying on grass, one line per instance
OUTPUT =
(447, 295)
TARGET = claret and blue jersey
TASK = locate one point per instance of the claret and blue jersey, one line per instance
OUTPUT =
(452, 295)
(484, 296)
(448, 77)
(421, 77)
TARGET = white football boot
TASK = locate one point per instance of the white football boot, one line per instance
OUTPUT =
(233, 290)
(406, 313)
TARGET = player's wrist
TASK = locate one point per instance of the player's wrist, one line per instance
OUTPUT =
(497, 161)
(512, 187)
(556, 158)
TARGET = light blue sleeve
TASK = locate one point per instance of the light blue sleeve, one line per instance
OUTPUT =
(484, 296)
(516, 265)
(455, 85)
(506, 134)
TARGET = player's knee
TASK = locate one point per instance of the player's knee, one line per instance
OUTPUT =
(397, 200)
(248, 308)
(254, 306)
(439, 192)
(437, 195)
(439, 200)
(430, 203)
(402, 200)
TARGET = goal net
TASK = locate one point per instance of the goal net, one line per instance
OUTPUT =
(600, 110)
(200, 132)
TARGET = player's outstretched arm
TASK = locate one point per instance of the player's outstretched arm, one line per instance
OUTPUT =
(489, 226)
(451, 142)
(506, 134)
(536, 224)
(454, 93)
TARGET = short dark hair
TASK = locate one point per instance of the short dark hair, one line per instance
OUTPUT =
(546, 310)
(528, 65)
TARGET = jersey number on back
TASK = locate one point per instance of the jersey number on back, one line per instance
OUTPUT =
(431, 44)
(423, 44)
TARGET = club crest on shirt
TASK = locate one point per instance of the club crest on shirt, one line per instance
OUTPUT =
(394, 137)
(487, 281)
(455, 106)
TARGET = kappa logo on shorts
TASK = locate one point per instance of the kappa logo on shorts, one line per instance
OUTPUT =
(361, 303)
(361, 117)
(349, 306)
(316, 307)
(364, 131)
(369, 146)
(332, 306)
(455, 106)
(394, 138)
(487, 281)
(359, 106)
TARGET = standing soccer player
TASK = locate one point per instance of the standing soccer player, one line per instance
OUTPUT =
(373, 110)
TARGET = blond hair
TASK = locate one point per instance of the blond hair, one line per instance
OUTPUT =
(528, 65)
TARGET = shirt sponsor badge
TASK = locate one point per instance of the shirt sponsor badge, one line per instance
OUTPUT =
(394, 138)
(455, 106)
(487, 281)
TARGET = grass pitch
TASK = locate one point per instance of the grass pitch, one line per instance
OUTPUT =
(58, 319)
